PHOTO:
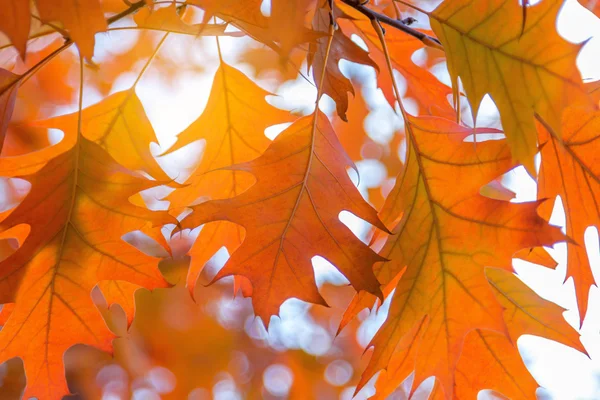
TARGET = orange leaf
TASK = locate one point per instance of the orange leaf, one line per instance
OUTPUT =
(402, 364)
(82, 18)
(592, 5)
(287, 24)
(232, 127)
(570, 170)
(292, 214)
(121, 293)
(335, 84)
(524, 313)
(527, 313)
(77, 211)
(15, 21)
(244, 15)
(445, 238)
(6, 311)
(422, 85)
(537, 255)
(9, 83)
(489, 360)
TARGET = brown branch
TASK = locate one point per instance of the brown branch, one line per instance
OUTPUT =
(398, 24)
(132, 8)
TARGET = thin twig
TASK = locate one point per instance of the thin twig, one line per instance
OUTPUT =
(31, 71)
(133, 8)
(398, 24)
(68, 42)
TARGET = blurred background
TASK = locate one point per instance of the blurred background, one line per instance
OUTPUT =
(214, 347)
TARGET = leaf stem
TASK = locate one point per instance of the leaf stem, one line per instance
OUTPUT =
(149, 61)
(68, 42)
(80, 105)
(320, 88)
(378, 29)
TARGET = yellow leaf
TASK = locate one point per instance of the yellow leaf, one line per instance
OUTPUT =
(120, 126)
(526, 70)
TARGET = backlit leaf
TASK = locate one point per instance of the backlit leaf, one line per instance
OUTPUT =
(9, 83)
(15, 21)
(77, 210)
(82, 18)
(570, 170)
(526, 71)
(335, 84)
(120, 126)
(232, 127)
(289, 217)
(445, 238)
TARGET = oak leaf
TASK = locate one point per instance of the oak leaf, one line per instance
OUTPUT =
(524, 313)
(489, 360)
(120, 126)
(77, 210)
(526, 69)
(430, 94)
(569, 169)
(232, 127)
(121, 293)
(445, 238)
(82, 18)
(335, 84)
(291, 214)
(244, 15)
(287, 24)
(15, 21)
(490, 352)
(537, 255)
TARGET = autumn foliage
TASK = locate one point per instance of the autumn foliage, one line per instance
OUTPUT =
(93, 209)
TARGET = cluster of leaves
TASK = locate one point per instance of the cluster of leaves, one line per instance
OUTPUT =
(443, 237)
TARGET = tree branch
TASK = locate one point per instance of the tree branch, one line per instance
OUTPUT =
(132, 8)
(375, 16)
(68, 42)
